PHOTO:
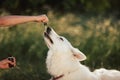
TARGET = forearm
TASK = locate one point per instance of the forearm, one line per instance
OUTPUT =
(13, 20)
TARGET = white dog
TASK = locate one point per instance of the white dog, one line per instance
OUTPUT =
(63, 61)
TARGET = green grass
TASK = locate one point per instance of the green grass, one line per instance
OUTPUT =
(97, 37)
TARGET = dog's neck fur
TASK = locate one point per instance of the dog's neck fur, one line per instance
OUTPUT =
(69, 66)
(54, 62)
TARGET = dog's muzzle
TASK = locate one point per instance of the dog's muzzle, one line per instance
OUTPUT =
(47, 34)
(48, 30)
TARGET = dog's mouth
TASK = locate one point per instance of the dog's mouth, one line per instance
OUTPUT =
(47, 34)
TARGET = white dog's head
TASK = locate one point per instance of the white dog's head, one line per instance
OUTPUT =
(60, 44)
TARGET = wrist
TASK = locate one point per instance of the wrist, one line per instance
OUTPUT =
(35, 18)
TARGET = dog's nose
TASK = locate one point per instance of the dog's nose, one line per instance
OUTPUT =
(48, 30)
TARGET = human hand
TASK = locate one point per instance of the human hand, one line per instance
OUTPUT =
(5, 63)
(42, 18)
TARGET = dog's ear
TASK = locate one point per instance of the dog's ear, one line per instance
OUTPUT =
(78, 54)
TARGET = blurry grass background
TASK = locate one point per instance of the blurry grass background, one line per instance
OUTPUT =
(98, 37)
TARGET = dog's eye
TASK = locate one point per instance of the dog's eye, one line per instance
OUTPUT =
(61, 39)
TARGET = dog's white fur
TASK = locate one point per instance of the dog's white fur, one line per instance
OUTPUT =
(104, 74)
(63, 59)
